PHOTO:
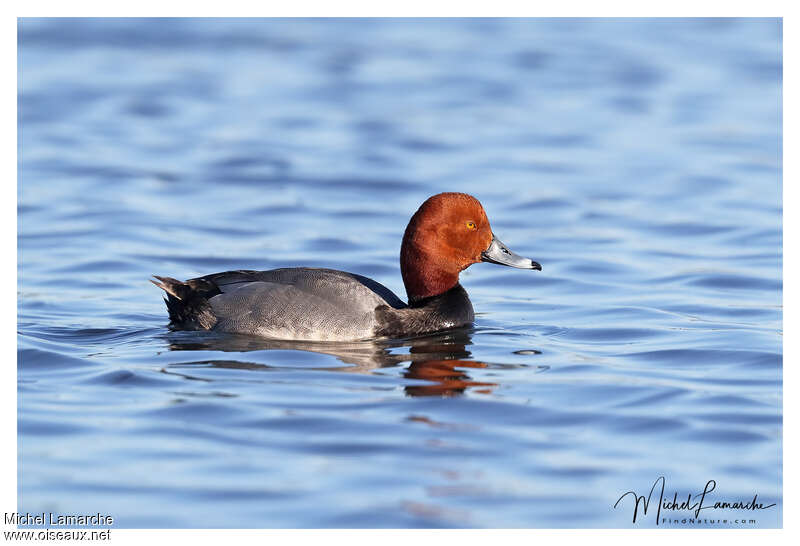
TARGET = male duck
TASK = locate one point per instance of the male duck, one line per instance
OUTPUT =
(446, 235)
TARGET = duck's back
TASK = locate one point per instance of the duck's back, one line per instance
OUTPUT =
(293, 303)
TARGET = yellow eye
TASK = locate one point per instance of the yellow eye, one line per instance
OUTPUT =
(471, 225)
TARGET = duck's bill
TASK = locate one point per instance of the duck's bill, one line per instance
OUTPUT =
(498, 253)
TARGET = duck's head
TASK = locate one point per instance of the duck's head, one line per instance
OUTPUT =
(447, 234)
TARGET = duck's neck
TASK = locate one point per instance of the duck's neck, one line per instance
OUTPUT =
(423, 275)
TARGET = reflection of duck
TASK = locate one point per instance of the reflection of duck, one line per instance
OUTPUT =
(447, 380)
(439, 359)
(448, 233)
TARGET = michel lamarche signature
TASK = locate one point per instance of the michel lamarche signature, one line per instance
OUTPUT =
(690, 504)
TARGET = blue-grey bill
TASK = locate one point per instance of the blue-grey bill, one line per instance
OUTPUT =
(498, 253)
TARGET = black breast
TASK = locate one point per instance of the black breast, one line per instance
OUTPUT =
(448, 310)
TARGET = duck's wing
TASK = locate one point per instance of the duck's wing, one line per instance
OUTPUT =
(292, 303)
(309, 279)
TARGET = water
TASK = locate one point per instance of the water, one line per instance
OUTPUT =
(638, 161)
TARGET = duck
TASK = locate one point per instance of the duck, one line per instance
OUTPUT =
(447, 234)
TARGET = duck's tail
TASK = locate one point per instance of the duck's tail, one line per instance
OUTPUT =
(187, 304)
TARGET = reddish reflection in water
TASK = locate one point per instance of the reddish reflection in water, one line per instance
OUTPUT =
(448, 379)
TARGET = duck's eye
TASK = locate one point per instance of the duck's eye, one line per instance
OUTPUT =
(471, 225)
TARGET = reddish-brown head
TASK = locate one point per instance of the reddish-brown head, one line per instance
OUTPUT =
(446, 235)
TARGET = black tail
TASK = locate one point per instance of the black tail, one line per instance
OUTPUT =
(187, 302)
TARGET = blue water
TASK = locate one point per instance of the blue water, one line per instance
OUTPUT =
(639, 161)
